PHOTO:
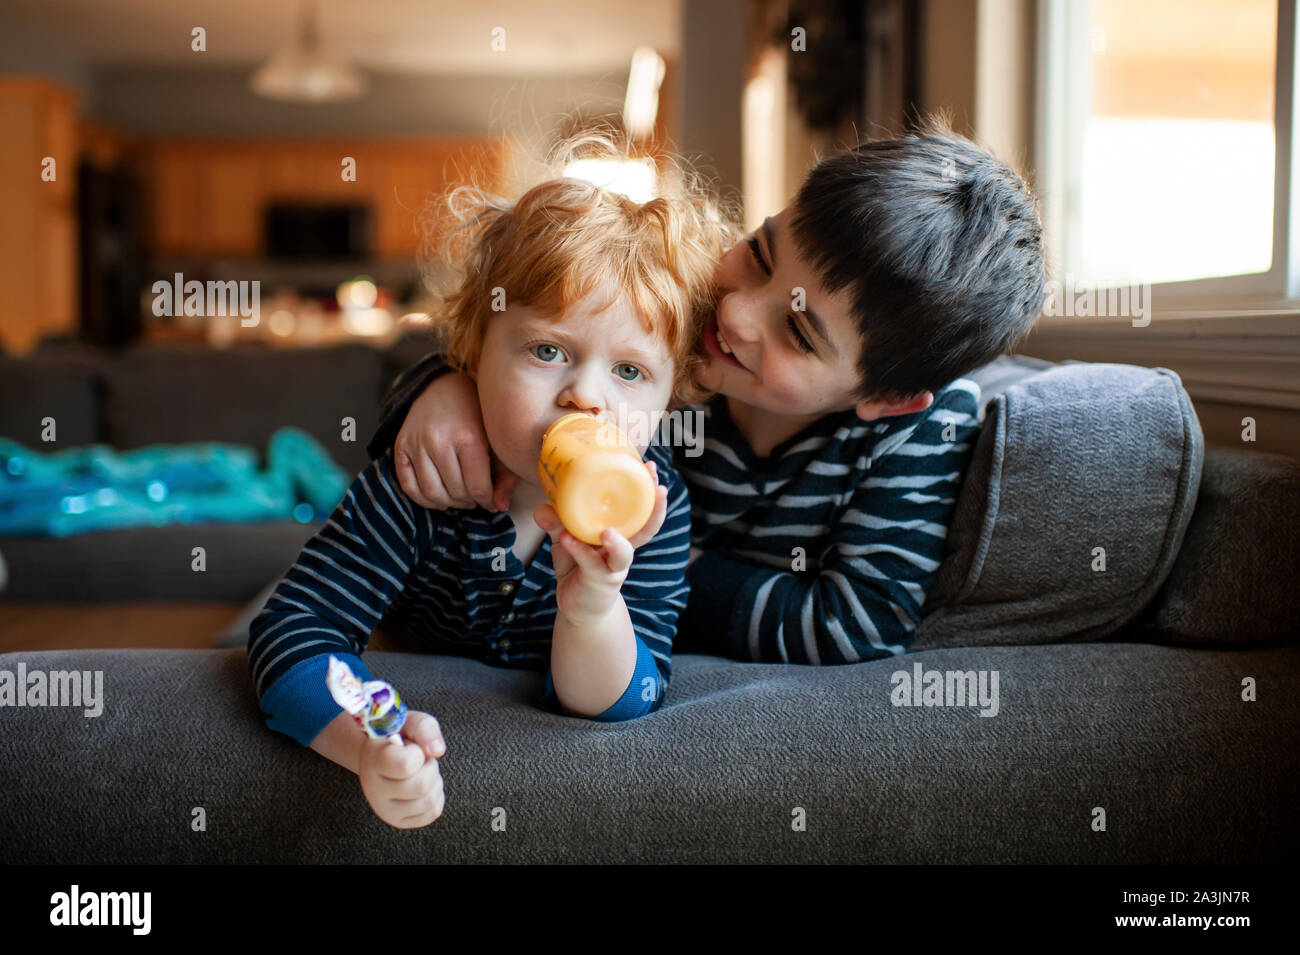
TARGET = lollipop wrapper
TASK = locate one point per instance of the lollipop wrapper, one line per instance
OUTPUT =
(375, 705)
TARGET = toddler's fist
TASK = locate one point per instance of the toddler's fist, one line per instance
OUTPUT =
(403, 784)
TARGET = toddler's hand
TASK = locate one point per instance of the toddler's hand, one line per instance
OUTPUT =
(403, 784)
(587, 578)
(441, 454)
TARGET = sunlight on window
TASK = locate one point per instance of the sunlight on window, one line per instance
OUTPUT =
(1177, 177)
(1171, 199)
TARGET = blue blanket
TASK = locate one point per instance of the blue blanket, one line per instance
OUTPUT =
(95, 488)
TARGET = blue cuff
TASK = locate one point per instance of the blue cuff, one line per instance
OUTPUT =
(643, 695)
(299, 703)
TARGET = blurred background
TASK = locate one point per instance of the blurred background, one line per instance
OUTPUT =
(147, 144)
(209, 139)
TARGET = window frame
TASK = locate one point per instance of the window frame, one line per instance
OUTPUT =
(1063, 100)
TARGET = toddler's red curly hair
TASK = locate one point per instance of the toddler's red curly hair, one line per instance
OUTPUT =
(565, 238)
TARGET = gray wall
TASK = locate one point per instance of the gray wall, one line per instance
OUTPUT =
(23, 53)
(714, 48)
(218, 102)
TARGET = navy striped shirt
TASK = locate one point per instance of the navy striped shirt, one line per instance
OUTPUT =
(446, 582)
(821, 552)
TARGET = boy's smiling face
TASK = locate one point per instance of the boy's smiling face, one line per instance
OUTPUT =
(783, 360)
(533, 370)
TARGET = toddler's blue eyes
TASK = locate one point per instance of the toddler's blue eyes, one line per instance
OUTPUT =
(544, 351)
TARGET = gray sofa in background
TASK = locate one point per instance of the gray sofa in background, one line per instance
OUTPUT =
(172, 394)
(1146, 706)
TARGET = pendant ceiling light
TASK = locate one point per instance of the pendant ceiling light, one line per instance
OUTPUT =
(303, 73)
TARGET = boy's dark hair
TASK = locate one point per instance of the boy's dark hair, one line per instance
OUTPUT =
(940, 246)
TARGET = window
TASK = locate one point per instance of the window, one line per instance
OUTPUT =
(1164, 144)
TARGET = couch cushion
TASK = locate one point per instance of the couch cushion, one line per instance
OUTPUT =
(153, 563)
(1082, 458)
(1003, 372)
(173, 394)
(1187, 774)
(1235, 578)
(62, 387)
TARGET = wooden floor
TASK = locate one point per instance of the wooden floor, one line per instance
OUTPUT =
(79, 626)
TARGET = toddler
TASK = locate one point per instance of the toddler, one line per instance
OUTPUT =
(571, 299)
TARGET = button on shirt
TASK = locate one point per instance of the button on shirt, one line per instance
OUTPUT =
(447, 582)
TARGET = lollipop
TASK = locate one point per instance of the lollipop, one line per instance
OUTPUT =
(375, 705)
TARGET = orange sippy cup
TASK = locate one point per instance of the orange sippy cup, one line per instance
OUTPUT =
(594, 478)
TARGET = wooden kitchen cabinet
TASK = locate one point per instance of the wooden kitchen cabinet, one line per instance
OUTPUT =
(311, 172)
(417, 176)
(397, 205)
(208, 199)
(231, 197)
(59, 134)
(203, 198)
(175, 191)
(38, 255)
(204, 201)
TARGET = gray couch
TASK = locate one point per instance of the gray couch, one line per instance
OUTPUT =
(164, 394)
(1119, 688)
